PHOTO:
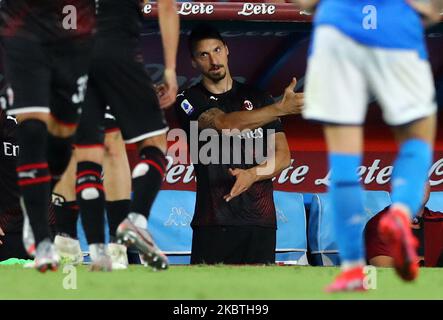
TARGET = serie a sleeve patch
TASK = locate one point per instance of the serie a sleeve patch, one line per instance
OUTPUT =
(187, 107)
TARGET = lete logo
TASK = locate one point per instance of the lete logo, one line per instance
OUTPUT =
(188, 8)
(147, 8)
(254, 9)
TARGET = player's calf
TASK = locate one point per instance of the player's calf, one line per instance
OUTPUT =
(59, 155)
(147, 178)
(91, 199)
(33, 176)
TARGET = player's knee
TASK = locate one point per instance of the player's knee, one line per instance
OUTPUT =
(423, 129)
(152, 160)
(114, 146)
(61, 130)
(59, 153)
(32, 137)
(140, 170)
(158, 142)
(91, 193)
(33, 128)
(32, 116)
(89, 185)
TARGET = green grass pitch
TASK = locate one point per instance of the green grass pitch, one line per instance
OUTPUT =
(208, 282)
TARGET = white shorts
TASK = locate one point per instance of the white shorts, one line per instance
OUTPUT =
(343, 75)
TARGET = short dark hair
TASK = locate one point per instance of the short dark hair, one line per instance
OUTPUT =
(201, 32)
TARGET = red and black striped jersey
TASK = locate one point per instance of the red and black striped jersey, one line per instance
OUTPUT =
(9, 189)
(254, 207)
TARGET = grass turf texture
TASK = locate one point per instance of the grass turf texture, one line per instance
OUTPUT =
(209, 282)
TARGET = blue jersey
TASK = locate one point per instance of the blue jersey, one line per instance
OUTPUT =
(391, 24)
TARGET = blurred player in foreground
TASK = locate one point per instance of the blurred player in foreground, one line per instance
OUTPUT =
(118, 80)
(117, 184)
(47, 50)
(357, 50)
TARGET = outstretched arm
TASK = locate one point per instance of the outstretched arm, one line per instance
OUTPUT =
(169, 29)
(430, 11)
(292, 103)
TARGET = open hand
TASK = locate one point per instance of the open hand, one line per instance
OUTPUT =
(167, 91)
(292, 102)
(244, 180)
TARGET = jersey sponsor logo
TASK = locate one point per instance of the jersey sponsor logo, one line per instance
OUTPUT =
(256, 9)
(256, 134)
(213, 98)
(10, 150)
(187, 107)
(247, 105)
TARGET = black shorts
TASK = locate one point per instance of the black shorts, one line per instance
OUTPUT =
(89, 135)
(118, 80)
(48, 77)
(233, 245)
(110, 122)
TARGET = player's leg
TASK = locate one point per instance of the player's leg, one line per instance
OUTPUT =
(409, 177)
(117, 183)
(91, 200)
(63, 199)
(89, 185)
(117, 179)
(411, 112)
(413, 162)
(147, 178)
(141, 121)
(60, 139)
(66, 213)
(336, 94)
(29, 76)
(69, 84)
(345, 145)
(148, 174)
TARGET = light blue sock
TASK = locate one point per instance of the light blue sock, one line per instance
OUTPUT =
(411, 173)
(346, 194)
